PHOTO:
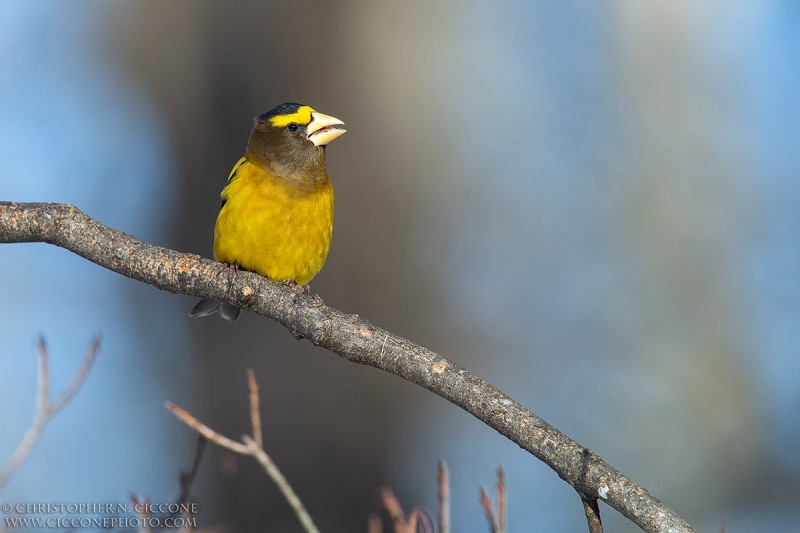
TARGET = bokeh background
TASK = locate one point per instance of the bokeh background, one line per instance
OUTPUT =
(593, 205)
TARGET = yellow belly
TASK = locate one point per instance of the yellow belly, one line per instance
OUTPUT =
(272, 228)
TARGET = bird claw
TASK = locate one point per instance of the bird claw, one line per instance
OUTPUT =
(296, 289)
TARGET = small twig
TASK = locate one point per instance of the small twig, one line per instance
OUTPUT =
(143, 508)
(45, 409)
(374, 524)
(187, 478)
(281, 482)
(77, 380)
(42, 383)
(186, 481)
(592, 510)
(501, 500)
(488, 509)
(388, 501)
(206, 431)
(252, 446)
(444, 498)
(497, 520)
(419, 519)
(255, 413)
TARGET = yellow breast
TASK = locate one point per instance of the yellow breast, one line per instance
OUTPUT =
(273, 228)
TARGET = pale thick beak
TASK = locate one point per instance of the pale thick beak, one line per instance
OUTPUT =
(323, 129)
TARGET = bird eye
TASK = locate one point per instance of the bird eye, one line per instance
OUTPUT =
(292, 127)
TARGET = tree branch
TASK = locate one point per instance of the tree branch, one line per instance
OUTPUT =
(592, 511)
(46, 409)
(350, 336)
(251, 445)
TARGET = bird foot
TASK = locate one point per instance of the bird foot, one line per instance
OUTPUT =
(296, 289)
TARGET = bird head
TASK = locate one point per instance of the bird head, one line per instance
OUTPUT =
(291, 139)
(302, 121)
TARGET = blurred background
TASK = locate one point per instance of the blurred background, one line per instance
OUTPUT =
(594, 206)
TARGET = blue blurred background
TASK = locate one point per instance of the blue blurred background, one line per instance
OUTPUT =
(595, 206)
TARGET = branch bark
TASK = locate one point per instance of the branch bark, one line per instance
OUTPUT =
(349, 336)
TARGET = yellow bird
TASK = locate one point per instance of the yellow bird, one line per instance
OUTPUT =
(276, 217)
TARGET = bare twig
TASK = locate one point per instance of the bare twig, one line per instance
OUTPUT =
(592, 510)
(444, 498)
(255, 413)
(350, 336)
(187, 478)
(207, 432)
(282, 483)
(501, 500)
(496, 518)
(252, 446)
(488, 510)
(374, 524)
(417, 521)
(143, 509)
(45, 408)
(43, 404)
(77, 380)
(389, 502)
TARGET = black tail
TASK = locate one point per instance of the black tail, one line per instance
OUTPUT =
(207, 307)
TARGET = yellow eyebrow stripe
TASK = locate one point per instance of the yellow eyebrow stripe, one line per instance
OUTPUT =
(302, 116)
